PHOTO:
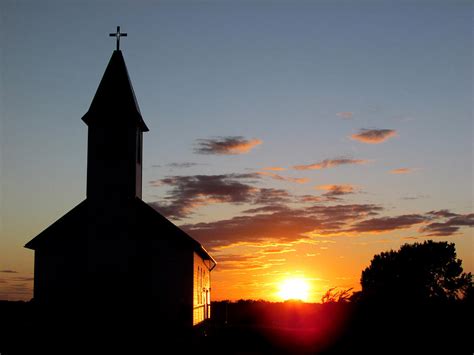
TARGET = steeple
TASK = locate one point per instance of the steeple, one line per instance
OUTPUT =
(115, 98)
(114, 157)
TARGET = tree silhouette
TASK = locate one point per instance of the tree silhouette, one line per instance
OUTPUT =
(417, 272)
(335, 295)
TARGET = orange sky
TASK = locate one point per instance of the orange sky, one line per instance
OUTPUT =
(291, 138)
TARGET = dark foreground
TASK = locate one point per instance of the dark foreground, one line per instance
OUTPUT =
(244, 328)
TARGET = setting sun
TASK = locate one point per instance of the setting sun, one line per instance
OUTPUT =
(294, 289)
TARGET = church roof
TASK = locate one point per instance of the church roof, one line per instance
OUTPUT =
(155, 221)
(115, 99)
(149, 224)
(71, 221)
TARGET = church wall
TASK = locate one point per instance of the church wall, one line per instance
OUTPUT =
(58, 274)
(201, 290)
(172, 283)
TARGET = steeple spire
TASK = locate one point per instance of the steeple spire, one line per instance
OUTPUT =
(115, 101)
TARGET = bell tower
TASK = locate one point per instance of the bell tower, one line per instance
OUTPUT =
(115, 136)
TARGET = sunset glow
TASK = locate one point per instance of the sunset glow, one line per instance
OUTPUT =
(293, 140)
(294, 289)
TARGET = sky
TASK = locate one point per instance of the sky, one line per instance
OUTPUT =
(293, 139)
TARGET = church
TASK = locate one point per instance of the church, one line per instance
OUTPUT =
(113, 248)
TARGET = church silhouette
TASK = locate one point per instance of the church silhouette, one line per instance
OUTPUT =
(113, 248)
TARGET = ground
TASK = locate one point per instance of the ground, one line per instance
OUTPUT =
(246, 327)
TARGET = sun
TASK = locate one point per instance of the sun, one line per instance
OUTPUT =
(294, 289)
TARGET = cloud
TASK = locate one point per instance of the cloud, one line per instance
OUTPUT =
(283, 178)
(449, 227)
(330, 163)
(311, 199)
(7, 271)
(440, 223)
(231, 145)
(279, 225)
(277, 251)
(443, 213)
(384, 224)
(182, 165)
(345, 115)
(284, 226)
(373, 136)
(187, 193)
(234, 262)
(266, 209)
(274, 168)
(270, 196)
(401, 171)
(337, 190)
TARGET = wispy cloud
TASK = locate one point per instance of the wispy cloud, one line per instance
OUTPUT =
(285, 225)
(186, 164)
(8, 271)
(449, 227)
(401, 171)
(373, 136)
(177, 165)
(345, 114)
(277, 251)
(330, 163)
(187, 193)
(384, 224)
(310, 199)
(335, 191)
(266, 209)
(231, 145)
(443, 214)
(234, 262)
(279, 217)
(275, 222)
(274, 168)
(283, 178)
(434, 223)
(271, 196)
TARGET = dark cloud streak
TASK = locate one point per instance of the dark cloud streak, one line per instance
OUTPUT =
(373, 136)
(190, 192)
(450, 226)
(231, 145)
(330, 163)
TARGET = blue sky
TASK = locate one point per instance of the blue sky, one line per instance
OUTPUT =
(277, 71)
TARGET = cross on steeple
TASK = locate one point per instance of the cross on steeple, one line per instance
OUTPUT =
(118, 35)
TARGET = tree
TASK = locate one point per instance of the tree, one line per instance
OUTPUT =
(335, 295)
(417, 272)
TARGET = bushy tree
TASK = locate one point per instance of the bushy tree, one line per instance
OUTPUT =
(428, 271)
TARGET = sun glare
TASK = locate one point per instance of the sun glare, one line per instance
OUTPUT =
(294, 289)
